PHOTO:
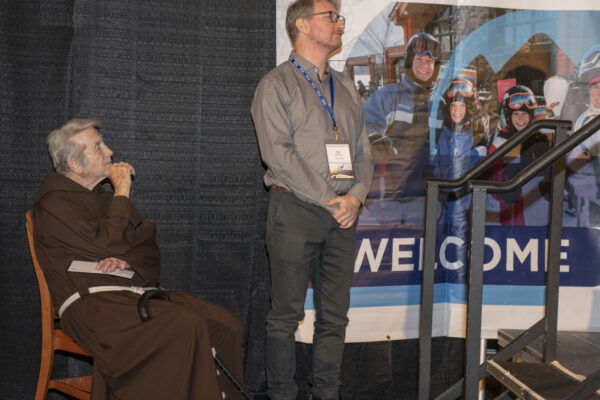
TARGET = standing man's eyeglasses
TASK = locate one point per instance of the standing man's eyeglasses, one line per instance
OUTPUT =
(333, 16)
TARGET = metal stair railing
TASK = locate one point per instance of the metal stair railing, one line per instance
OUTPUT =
(548, 325)
(474, 371)
(429, 246)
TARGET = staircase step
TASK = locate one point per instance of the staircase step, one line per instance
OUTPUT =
(579, 352)
(535, 381)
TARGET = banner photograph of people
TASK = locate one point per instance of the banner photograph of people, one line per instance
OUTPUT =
(444, 84)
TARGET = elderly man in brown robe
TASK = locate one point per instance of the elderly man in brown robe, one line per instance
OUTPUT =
(170, 356)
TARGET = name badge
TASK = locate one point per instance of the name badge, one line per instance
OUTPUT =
(340, 162)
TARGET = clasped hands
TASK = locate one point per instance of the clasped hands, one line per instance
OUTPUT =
(347, 212)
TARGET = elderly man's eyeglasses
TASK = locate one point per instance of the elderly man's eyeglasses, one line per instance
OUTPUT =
(333, 16)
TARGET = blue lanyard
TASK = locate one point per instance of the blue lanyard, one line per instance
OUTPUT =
(323, 101)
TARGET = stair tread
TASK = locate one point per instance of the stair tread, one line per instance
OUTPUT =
(543, 380)
(577, 351)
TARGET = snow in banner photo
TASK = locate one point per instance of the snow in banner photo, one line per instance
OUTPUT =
(496, 69)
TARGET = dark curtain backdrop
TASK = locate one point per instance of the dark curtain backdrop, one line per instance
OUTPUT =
(172, 82)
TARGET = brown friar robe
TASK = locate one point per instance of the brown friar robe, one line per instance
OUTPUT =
(168, 357)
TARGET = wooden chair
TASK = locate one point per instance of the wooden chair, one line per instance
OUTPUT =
(54, 339)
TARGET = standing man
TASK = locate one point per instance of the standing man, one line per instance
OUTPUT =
(311, 132)
(397, 118)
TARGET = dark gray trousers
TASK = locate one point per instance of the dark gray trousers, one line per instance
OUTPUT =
(305, 242)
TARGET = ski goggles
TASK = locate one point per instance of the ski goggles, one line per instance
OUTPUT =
(460, 87)
(422, 46)
(517, 100)
(590, 59)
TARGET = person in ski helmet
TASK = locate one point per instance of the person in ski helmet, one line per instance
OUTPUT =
(397, 119)
(583, 161)
(518, 105)
(460, 103)
(457, 152)
(422, 59)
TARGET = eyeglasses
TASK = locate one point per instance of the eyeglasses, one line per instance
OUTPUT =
(462, 87)
(333, 16)
(422, 46)
(517, 100)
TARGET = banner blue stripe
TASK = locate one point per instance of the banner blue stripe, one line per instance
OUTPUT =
(410, 295)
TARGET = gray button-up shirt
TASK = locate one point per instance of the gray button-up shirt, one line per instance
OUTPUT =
(292, 127)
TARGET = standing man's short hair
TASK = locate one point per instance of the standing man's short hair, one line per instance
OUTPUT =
(302, 9)
(62, 148)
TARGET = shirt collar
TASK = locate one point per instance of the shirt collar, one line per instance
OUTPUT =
(309, 67)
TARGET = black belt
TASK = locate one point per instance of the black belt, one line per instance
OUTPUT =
(286, 190)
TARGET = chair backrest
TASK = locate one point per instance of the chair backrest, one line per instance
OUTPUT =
(48, 313)
(53, 339)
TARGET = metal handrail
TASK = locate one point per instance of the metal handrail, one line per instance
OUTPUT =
(433, 185)
(542, 163)
(491, 159)
(554, 157)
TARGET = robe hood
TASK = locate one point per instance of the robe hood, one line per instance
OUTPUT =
(58, 182)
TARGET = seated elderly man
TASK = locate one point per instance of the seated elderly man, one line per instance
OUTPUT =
(169, 356)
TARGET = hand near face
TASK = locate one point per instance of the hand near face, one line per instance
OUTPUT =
(120, 175)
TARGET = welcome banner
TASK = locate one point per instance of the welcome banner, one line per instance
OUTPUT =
(547, 49)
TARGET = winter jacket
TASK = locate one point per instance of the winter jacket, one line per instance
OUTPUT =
(397, 118)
